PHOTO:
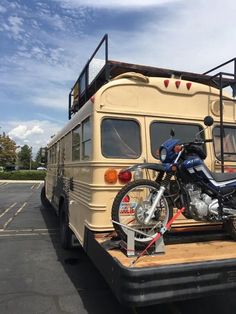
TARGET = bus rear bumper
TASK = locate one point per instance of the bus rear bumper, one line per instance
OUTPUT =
(144, 286)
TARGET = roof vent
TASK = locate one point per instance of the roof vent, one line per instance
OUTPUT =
(134, 76)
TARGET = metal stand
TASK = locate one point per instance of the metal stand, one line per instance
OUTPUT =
(130, 244)
(158, 239)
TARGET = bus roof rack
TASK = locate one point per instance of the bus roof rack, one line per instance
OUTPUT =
(99, 70)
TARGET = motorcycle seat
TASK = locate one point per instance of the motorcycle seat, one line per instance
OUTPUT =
(221, 177)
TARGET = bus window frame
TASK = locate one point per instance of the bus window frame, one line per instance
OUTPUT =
(87, 119)
(178, 123)
(225, 154)
(78, 126)
(122, 119)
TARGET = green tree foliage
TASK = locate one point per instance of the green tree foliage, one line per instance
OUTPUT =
(38, 158)
(25, 157)
(7, 150)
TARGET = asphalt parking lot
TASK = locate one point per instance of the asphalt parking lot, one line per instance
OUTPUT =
(37, 276)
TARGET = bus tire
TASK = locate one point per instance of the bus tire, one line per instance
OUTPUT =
(65, 231)
(45, 202)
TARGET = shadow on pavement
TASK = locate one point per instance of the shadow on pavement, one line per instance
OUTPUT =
(91, 287)
(98, 298)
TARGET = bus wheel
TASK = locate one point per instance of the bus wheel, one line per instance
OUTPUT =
(45, 202)
(65, 231)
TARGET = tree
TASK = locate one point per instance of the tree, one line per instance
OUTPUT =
(7, 150)
(25, 157)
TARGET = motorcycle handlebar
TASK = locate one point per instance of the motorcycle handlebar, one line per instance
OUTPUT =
(199, 142)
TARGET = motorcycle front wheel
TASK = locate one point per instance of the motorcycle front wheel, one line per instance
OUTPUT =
(130, 207)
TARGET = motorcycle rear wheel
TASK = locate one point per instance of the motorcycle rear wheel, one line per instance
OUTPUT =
(129, 208)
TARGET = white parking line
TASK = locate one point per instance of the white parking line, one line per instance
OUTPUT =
(10, 219)
(25, 234)
(39, 185)
(7, 210)
(27, 230)
(2, 184)
(32, 187)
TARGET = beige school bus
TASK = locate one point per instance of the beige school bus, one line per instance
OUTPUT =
(118, 119)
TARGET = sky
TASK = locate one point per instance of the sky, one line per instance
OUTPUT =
(45, 44)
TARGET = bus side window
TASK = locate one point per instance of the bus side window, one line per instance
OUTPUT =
(86, 139)
(50, 156)
(81, 141)
(76, 138)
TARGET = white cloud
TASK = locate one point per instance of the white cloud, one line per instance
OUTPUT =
(188, 37)
(23, 131)
(14, 26)
(34, 133)
(2, 9)
(53, 19)
(191, 37)
(114, 3)
(53, 101)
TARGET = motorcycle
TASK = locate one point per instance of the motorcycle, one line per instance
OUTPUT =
(183, 180)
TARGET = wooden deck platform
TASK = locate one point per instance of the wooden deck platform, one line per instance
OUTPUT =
(186, 243)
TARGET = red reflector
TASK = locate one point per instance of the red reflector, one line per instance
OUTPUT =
(177, 84)
(188, 85)
(177, 148)
(166, 83)
(124, 176)
(126, 199)
(92, 99)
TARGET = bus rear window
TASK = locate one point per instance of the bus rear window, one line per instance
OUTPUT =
(120, 138)
(229, 143)
(160, 132)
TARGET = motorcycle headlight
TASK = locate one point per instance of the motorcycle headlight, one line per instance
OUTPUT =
(163, 154)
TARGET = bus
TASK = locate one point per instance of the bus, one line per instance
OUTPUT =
(119, 114)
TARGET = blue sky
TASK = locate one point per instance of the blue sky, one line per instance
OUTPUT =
(45, 44)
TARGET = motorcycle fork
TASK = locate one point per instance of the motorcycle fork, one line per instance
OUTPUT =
(161, 191)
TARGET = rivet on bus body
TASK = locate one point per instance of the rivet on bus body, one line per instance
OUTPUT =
(166, 83)
(188, 85)
(177, 83)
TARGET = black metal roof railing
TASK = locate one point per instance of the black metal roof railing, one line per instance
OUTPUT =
(86, 87)
(223, 80)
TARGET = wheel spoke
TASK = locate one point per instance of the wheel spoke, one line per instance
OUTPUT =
(132, 213)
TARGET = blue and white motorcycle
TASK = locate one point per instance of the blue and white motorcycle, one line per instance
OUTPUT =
(183, 180)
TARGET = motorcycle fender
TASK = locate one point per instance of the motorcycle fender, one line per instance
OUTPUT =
(151, 166)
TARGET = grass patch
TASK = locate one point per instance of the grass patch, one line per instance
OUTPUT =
(23, 175)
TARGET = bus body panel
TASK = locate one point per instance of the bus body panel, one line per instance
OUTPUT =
(81, 182)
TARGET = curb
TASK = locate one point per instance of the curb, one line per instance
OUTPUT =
(21, 181)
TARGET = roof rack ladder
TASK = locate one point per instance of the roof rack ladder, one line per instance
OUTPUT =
(224, 79)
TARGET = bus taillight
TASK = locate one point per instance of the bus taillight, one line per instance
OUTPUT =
(124, 176)
(110, 176)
